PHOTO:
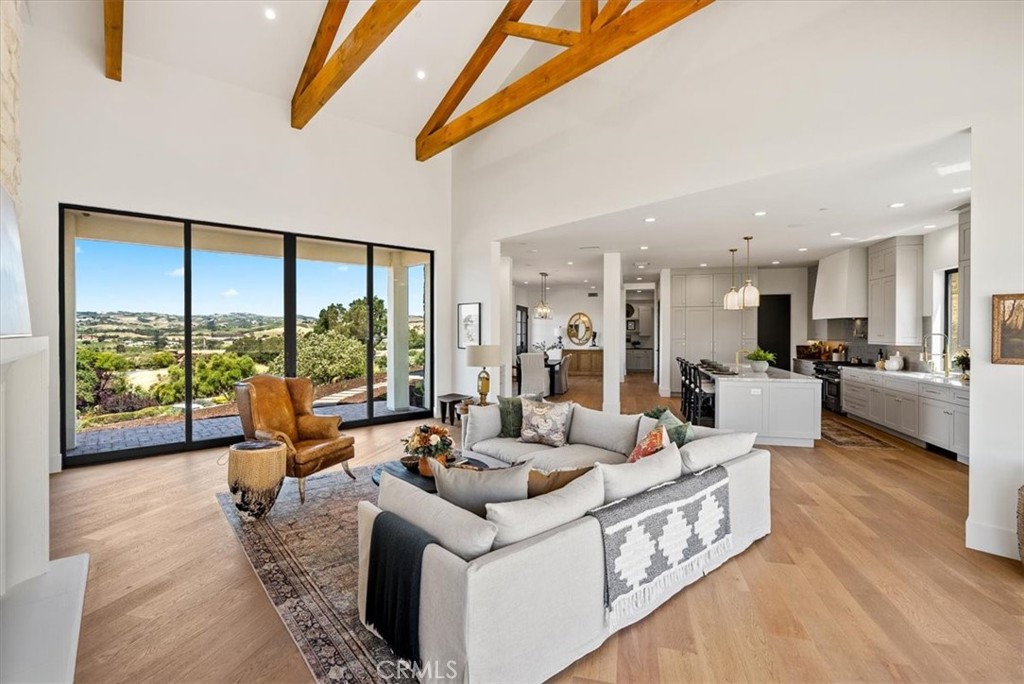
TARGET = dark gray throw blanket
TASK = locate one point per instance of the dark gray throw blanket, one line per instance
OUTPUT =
(393, 583)
(653, 541)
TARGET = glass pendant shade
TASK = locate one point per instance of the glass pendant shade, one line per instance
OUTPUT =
(732, 297)
(542, 310)
(750, 296)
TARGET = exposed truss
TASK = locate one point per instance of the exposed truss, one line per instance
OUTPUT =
(113, 37)
(604, 33)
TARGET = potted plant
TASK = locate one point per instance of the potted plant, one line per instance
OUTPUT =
(759, 360)
(962, 359)
(428, 441)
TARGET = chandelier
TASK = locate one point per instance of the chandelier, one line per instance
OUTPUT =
(732, 297)
(542, 311)
(750, 296)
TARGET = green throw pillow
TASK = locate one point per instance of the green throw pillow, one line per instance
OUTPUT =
(511, 410)
(679, 432)
(657, 412)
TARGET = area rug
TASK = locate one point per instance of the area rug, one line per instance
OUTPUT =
(840, 434)
(307, 557)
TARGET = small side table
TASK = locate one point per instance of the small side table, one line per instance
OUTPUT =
(256, 472)
(450, 405)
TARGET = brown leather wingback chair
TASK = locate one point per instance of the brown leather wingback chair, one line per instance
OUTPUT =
(282, 409)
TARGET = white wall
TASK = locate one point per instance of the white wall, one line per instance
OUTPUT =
(565, 301)
(742, 90)
(940, 254)
(169, 142)
(792, 282)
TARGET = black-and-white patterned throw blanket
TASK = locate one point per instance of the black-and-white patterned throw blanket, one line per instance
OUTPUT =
(653, 540)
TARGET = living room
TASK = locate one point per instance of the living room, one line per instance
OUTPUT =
(197, 132)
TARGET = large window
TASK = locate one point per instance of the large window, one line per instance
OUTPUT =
(161, 317)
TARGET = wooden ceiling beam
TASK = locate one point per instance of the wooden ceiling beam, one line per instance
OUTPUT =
(543, 34)
(478, 61)
(611, 40)
(113, 37)
(380, 20)
(330, 22)
(612, 10)
(588, 12)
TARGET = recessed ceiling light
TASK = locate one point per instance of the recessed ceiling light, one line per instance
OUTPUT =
(586, 281)
(760, 213)
(950, 169)
(929, 226)
(850, 238)
(802, 249)
(568, 263)
(526, 282)
(650, 219)
(270, 14)
(533, 251)
(897, 205)
(776, 263)
(703, 265)
(639, 278)
(593, 287)
(421, 74)
(643, 247)
(957, 191)
(639, 291)
(548, 287)
(822, 208)
(834, 234)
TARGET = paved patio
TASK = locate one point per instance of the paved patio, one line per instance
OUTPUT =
(127, 438)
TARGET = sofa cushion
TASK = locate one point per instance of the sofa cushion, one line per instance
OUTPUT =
(678, 431)
(704, 453)
(471, 489)
(464, 534)
(652, 443)
(646, 425)
(573, 456)
(605, 430)
(511, 409)
(484, 423)
(544, 482)
(518, 520)
(509, 450)
(701, 431)
(545, 423)
(627, 479)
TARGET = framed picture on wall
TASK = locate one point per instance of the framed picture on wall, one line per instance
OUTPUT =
(1008, 328)
(469, 324)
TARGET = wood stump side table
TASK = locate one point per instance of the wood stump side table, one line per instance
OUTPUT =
(256, 472)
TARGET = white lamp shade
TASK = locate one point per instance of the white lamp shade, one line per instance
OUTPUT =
(732, 300)
(483, 355)
(750, 296)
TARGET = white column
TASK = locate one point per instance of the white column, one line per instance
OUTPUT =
(665, 333)
(614, 330)
(398, 335)
(508, 328)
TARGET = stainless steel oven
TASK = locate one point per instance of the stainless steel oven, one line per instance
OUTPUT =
(831, 395)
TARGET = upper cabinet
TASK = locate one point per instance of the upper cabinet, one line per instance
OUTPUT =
(678, 290)
(894, 291)
(964, 278)
(700, 290)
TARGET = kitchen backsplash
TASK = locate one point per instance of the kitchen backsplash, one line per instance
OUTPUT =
(869, 352)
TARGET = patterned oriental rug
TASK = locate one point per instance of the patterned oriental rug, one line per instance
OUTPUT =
(843, 435)
(307, 558)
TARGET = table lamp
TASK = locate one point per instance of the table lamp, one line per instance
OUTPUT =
(483, 355)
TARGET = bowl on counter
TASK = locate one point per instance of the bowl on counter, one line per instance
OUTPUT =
(894, 364)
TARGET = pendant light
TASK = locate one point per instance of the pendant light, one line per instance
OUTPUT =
(732, 297)
(542, 311)
(750, 296)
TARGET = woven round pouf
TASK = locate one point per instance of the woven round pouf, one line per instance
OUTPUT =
(255, 475)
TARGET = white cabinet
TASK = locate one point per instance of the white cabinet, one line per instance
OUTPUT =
(727, 329)
(901, 412)
(876, 405)
(959, 440)
(678, 290)
(678, 323)
(894, 292)
(781, 412)
(700, 290)
(722, 283)
(936, 423)
(639, 360)
(645, 327)
(699, 334)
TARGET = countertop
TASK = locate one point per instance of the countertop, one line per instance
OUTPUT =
(640, 348)
(938, 379)
(772, 375)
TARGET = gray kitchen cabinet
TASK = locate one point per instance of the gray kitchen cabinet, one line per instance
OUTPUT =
(700, 290)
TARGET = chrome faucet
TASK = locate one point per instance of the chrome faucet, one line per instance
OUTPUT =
(945, 351)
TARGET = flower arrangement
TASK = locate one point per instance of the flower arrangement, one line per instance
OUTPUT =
(431, 441)
(761, 355)
(963, 359)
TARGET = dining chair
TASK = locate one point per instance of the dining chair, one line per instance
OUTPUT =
(534, 377)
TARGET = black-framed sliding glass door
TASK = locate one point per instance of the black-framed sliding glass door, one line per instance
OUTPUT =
(160, 317)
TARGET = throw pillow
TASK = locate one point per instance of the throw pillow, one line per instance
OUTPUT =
(545, 423)
(512, 413)
(484, 422)
(609, 431)
(518, 520)
(459, 531)
(626, 479)
(471, 489)
(701, 454)
(545, 482)
(679, 432)
(657, 412)
(654, 442)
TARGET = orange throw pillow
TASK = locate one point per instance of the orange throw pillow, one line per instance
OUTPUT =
(651, 444)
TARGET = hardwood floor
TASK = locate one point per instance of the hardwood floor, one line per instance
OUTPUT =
(864, 578)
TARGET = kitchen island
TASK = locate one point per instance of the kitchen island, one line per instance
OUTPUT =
(783, 408)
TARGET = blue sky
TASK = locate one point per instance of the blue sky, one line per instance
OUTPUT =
(112, 276)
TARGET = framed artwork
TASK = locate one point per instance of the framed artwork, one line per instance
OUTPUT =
(1008, 328)
(469, 324)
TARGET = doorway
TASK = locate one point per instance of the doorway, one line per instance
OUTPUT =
(773, 321)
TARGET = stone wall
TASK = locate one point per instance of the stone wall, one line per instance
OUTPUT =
(10, 61)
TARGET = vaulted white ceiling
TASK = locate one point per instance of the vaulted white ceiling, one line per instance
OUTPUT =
(234, 42)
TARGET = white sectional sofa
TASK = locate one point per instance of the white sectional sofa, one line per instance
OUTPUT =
(525, 611)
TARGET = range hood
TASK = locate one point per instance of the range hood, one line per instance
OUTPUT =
(841, 290)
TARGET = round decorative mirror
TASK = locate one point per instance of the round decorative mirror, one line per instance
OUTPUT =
(579, 328)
